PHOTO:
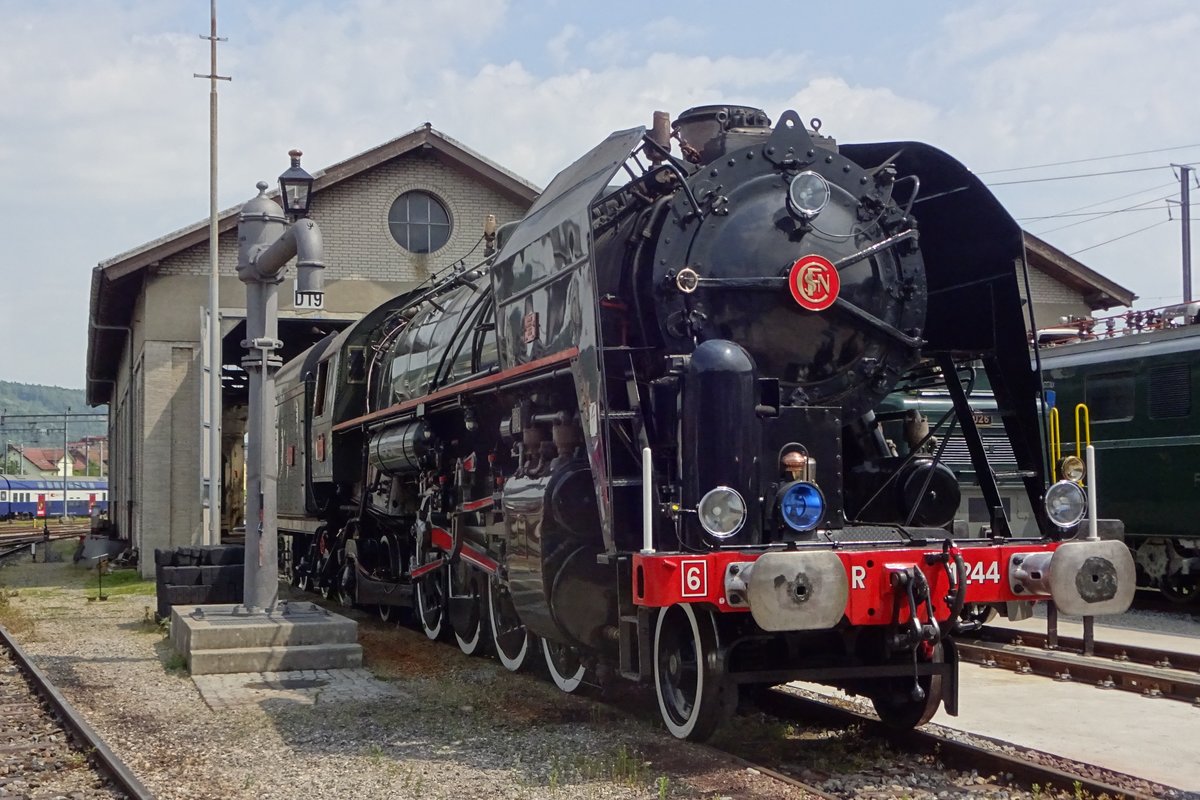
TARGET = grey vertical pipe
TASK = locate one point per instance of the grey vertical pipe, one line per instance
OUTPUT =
(1185, 204)
(265, 245)
(66, 463)
(261, 582)
(213, 533)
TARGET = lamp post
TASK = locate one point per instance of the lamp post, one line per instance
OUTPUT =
(267, 241)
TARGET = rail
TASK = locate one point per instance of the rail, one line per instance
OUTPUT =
(105, 758)
(952, 752)
(1144, 670)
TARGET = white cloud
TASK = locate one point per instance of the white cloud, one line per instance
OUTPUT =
(559, 46)
(105, 130)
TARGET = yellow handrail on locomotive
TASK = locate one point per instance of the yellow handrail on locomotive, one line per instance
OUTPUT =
(1081, 409)
(1055, 443)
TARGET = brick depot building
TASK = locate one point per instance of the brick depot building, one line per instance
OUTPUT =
(389, 218)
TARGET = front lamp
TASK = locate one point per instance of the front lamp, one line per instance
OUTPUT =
(1066, 503)
(722, 512)
(801, 505)
(807, 194)
(1072, 469)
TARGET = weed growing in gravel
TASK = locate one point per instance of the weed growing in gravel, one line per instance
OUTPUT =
(623, 766)
(15, 620)
(413, 784)
(663, 784)
(175, 662)
(147, 623)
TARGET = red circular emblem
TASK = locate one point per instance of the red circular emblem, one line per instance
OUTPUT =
(814, 282)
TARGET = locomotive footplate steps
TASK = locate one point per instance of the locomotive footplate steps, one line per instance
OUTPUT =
(294, 636)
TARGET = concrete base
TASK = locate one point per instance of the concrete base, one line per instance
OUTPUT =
(96, 546)
(218, 639)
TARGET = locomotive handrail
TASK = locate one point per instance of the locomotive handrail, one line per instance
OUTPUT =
(459, 388)
(1055, 442)
(1081, 410)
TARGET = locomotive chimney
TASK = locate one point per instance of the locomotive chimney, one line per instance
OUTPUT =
(707, 133)
(660, 133)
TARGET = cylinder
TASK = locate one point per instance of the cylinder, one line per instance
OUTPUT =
(403, 449)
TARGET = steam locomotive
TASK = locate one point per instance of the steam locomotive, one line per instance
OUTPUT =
(640, 436)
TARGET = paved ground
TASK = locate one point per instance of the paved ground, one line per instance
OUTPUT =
(305, 687)
(1150, 738)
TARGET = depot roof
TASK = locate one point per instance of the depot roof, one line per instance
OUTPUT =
(117, 282)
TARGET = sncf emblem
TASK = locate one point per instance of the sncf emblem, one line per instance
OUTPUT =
(814, 282)
(694, 577)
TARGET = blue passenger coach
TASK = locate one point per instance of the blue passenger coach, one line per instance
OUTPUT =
(21, 496)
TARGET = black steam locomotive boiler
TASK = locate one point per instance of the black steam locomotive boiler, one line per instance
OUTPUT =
(639, 437)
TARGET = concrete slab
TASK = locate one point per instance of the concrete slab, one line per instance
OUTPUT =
(305, 687)
(227, 638)
(1177, 633)
(1150, 738)
(274, 659)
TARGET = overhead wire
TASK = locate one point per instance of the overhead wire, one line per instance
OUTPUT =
(1122, 196)
(1102, 215)
(1088, 175)
(1118, 238)
(1086, 160)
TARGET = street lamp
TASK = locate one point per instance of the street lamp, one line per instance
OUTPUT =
(266, 243)
(295, 188)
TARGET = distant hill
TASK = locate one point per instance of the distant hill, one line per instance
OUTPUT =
(32, 398)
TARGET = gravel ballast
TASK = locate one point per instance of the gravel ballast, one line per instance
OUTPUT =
(457, 727)
(451, 726)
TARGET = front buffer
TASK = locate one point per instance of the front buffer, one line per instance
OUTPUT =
(872, 621)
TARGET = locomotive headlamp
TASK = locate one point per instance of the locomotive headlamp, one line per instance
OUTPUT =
(722, 512)
(801, 505)
(1066, 503)
(808, 194)
(295, 188)
(1072, 469)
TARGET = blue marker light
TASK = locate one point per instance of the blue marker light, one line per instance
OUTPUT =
(802, 506)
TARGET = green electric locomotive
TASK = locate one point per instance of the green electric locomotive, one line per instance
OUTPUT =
(1139, 384)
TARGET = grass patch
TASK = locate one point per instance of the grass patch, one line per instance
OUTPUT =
(15, 620)
(623, 766)
(127, 582)
(175, 662)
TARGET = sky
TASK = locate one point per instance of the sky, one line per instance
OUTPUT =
(104, 130)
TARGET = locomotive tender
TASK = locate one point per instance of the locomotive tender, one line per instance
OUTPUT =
(640, 436)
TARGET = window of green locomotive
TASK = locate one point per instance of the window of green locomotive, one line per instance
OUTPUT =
(1109, 397)
(320, 392)
(1170, 391)
(356, 368)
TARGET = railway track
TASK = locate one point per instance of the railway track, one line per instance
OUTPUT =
(46, 747)
(1020, 768)
(13, 532)
(1147, 671)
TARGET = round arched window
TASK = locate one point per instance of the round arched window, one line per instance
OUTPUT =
(419, 222)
